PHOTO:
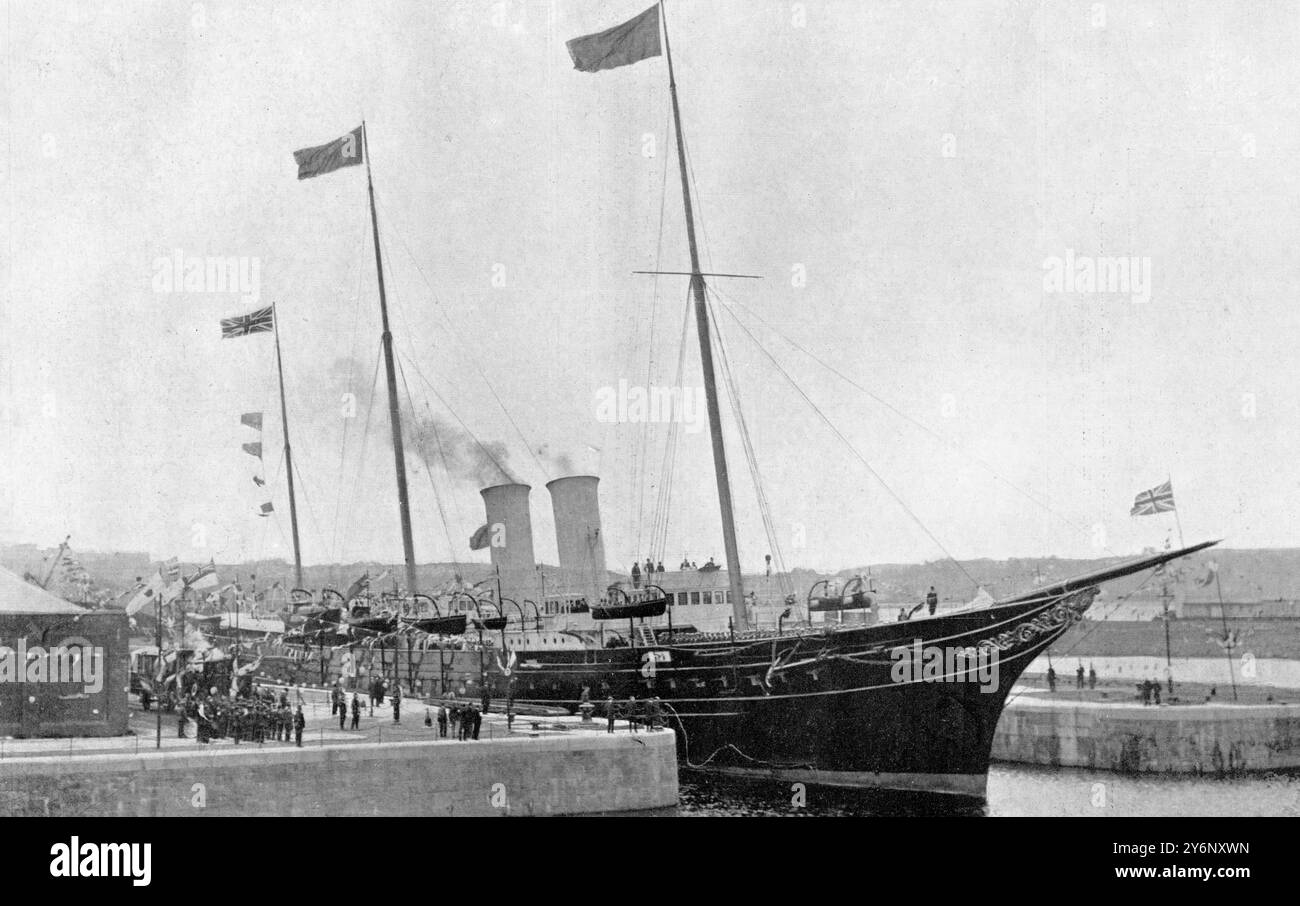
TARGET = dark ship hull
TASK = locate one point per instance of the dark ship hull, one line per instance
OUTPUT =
(839, 707)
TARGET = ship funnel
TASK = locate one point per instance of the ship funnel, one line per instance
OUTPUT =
(577, 535)
(510, 528)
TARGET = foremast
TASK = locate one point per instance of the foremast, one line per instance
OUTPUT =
(288, 456)
(394, 410)
(739, 618)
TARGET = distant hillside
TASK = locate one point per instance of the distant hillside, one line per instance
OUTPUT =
(1246, 574)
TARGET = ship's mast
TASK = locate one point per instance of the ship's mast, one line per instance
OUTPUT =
(394, 414)
(58, 558)
(288, 456)
(739, 619)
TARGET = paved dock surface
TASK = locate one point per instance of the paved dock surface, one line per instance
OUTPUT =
(322, 730)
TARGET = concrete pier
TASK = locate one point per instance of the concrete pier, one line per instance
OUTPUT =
(1213, 738)
(571, 771)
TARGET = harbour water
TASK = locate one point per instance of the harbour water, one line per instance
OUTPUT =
(1013, 791)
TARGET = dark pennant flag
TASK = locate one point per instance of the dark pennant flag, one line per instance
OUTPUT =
(347, 151)
(636, 39)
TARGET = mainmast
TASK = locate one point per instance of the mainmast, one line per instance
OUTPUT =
(288, 457)
(739, 619)
(394, 413)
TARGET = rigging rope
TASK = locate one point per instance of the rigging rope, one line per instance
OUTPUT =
(343, 450)
(638, 479)
(751, 458)
(442, 515)
(847, 443)
(917, 423)
(663, 504)
(434, 390)
(365, 439)
(473, 359)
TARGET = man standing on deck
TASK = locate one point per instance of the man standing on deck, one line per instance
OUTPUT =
(610, 713)
(631, 713)
(299, 724)
(1078, 677)
(1051, 679)
(356, 711)
(397, 703)
(932, 600)
(442, 721)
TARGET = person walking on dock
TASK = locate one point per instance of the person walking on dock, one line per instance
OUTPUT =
(299, 724)
(356, 712)
(932, 600)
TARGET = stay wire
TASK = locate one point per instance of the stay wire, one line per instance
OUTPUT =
(852, 449)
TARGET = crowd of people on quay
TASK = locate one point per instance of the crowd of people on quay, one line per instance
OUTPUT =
(259, 717)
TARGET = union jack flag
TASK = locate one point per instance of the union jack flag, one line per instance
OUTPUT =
(260, 321)
(1156, 500)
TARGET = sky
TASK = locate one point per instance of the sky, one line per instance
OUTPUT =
(904, 177)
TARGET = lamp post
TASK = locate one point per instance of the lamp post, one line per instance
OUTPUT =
(158, 642)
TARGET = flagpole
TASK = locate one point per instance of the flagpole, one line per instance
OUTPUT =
(394, 413)
(1227, 637)
(288, 456)
(157, 630)
(1177, 521)
(739, 618)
